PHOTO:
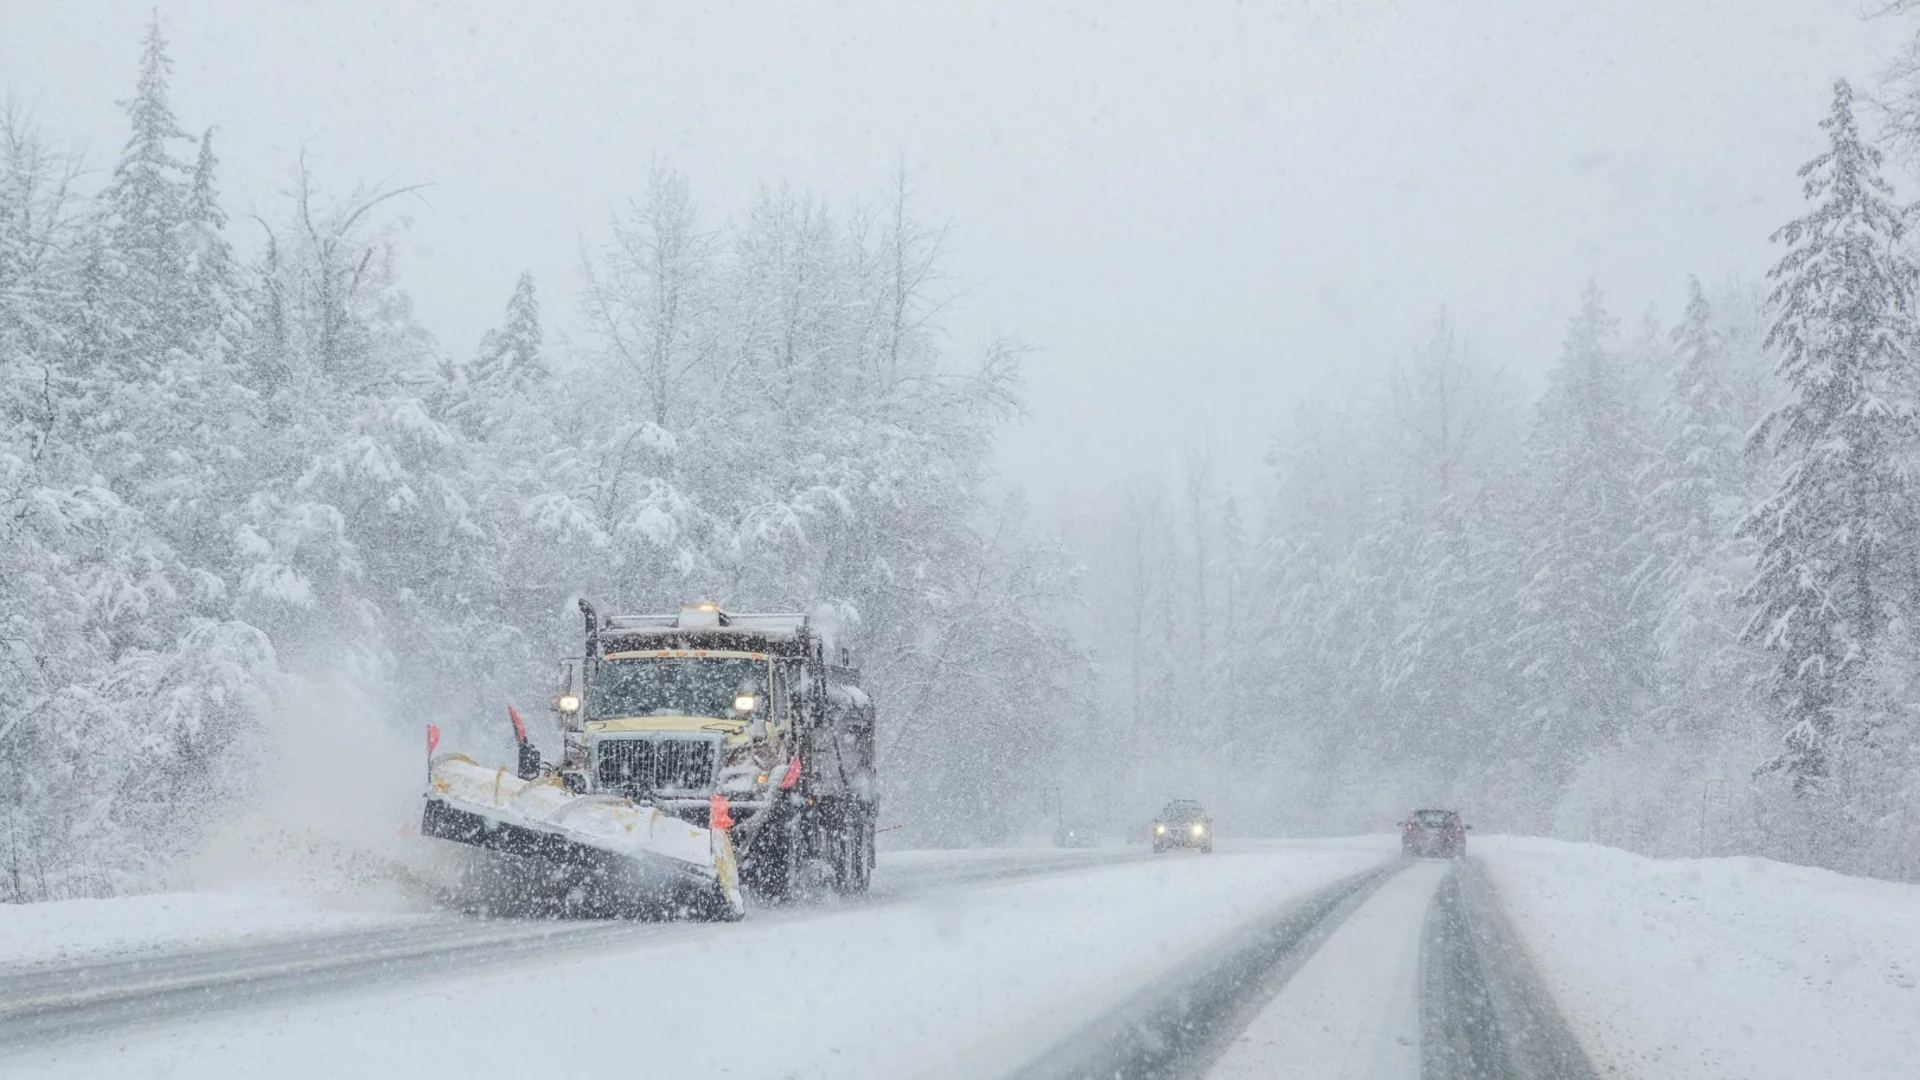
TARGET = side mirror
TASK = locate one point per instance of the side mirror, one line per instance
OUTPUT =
(1469, 828)
(529, 763)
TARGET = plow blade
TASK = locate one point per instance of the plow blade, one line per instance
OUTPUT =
(626, 851)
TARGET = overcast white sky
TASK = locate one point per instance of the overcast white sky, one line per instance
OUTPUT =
(1197, 211)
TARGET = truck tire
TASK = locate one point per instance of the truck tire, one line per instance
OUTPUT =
(853, 859)
(775, 862)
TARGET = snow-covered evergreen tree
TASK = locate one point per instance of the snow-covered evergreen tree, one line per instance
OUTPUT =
(508, 371)
(1580, 642)
(1836, 563)
(1694, 492)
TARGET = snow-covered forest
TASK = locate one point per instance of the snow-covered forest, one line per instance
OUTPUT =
(1669, 601)
(1666, 600)
(230, 482)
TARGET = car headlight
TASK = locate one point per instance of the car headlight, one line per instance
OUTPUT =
(1199, 829)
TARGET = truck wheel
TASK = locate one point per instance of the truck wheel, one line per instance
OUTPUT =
(852, 863)
(775, 863)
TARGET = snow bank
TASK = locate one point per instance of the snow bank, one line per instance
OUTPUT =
(70, 931)
(1702, 969)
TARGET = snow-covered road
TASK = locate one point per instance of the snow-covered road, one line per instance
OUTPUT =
(73, 969)
(1306, 959)
(1353, 1011)
(971, 967)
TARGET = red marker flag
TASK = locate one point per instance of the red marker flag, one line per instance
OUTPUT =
(519, 725)
(433, 738)
(719, 814)
(793, 775)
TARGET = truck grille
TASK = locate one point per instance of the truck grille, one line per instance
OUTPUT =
(646, 765)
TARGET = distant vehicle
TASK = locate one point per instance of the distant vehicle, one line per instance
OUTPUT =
(1183, 824)
(1076, 834)
(1434, 834)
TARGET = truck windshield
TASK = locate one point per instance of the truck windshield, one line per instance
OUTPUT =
(675, 686)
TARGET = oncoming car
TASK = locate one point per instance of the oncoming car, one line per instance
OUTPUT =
(1434, 834)
(1183, 824)
(1076, 834)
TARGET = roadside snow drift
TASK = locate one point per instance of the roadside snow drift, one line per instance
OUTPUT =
(63, 932)
(1715, 968)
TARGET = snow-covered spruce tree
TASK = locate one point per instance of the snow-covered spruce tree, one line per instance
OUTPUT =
(1694, 494)
(1322, 593)
(1441, 418)
(506, 373)
(215, 320)
(173, 422)
(1837, 569)
(146, 206)
(1580, 644)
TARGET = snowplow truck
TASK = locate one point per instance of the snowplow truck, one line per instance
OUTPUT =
(709, 714)
(741, 726)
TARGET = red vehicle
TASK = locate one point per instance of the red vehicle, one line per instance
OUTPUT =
(1434, 834)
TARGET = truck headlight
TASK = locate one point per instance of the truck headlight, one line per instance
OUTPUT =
(568, 703)
(1199, 830)
(1160, 830)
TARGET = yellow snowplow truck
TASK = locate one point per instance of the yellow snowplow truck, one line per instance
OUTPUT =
(739, 730)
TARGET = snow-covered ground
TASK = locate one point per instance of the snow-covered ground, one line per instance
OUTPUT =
(963, 981)
(1704, 969)
(72, 931)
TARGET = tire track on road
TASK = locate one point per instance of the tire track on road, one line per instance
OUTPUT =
(1179, 1025)
(1484, 1013)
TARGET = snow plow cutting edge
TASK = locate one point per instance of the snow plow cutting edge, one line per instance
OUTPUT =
(655, 853)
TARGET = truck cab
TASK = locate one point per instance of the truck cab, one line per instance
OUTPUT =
(706, 712)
